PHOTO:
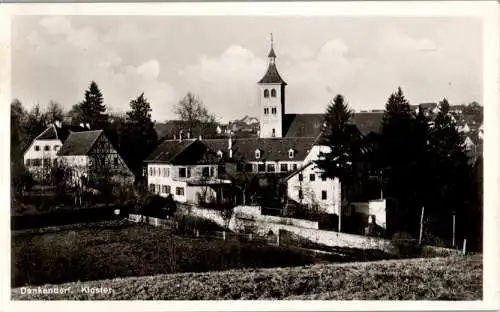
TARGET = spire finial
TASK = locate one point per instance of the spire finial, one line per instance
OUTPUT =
(271, 55)
(271, 40)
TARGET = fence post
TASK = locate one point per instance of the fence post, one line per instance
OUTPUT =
(223, 235)
(465, 245)
(278, 238)
(197, 233)
(250, 236)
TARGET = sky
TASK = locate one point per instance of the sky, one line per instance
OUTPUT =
(221, 58)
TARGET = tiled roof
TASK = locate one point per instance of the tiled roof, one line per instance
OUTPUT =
(368, 122)
(79, 143)
(310, 125)
(302, 125)
(186, 152)
(170, 128)
(272, 149)
(272, 75)
(54, 132)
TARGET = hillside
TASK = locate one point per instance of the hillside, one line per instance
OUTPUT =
(455, 278)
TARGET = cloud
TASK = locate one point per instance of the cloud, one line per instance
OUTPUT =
(59, 49)
(226, 83)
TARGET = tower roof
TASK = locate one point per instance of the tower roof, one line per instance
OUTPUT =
(271, 53)
(272, 75)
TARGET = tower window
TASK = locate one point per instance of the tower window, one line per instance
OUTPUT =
(274, 133)
(266, 111)
(266, 93)
(273, 110)
(273, 93)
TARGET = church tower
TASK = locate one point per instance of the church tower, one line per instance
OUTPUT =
(272, 100)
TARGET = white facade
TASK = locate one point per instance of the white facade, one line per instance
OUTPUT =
(306, 187)
(165, 179)
(271, 110)
(41, 155)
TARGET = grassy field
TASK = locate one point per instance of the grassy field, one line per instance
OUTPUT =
(454, 278)
(111, 249)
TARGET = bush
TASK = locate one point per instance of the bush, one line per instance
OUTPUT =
(405, 246)
(187, 223)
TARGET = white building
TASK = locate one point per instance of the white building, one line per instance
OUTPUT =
(41, 155)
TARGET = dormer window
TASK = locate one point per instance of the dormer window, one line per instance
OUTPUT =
(273, 93)
(266, 93)
(291, 153)
(219, 153)
(257, 154)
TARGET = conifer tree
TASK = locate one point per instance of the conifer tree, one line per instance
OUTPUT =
(92, 108)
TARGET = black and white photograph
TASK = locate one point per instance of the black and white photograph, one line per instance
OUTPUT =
(188, 155)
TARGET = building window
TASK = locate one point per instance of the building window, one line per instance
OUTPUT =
(323, 195)
(301, 195)
(158, 188)
(165, 189)
(56, 147)
(150, 171)
(115, 162)
(188, 172)
(273, 93)
(248, 168)
(312, 177)
(182, 172)
(257, 154)
(271, 168)
(205, 172)
(212, 171)
(28, 162)
(301, 177)
(283, 167)
(274, 133)
(273, 110)
(291, 153)
(323, 178)
(37, 148)
(46, 148)
(46, 162)
(55, 162)
(294, 167)
(261, 167)
(266, 93)
(152, 188)
(266, 111)
(179, 191)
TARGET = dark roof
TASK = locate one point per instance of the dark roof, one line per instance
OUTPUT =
(79, 143)
(271, 53)
(368, 122)
(54, 132)
(272, 75)
(272, 149)
(186, 152)
(302, 125)
(168, 129)
(310, 125)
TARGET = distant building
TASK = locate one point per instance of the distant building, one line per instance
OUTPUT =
(91, 156)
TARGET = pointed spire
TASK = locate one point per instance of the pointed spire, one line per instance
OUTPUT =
(271, 55)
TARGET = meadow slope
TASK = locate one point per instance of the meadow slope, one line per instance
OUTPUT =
(453, 278)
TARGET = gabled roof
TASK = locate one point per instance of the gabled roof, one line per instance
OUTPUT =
(368, 122)
(79, 143)
(61, 132)
(272, 149)
(186, 152)
(272, 75)
(171, 128)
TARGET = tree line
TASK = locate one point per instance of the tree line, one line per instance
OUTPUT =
(419, 160)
